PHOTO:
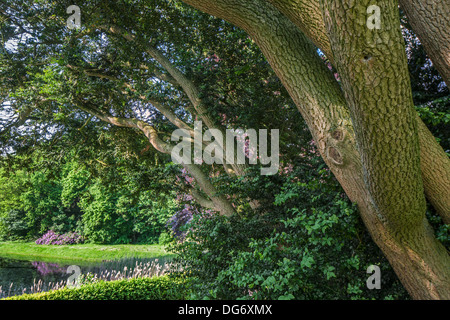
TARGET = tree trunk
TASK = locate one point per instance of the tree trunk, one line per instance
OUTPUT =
(430, 21)
(428, 18)
(373, 67)
(421, 264)
(310, 11)
(435, 166)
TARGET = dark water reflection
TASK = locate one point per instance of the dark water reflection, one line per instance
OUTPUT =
(18, 276)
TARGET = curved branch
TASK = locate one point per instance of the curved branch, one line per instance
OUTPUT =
(306, 15)
(186, 84)
(220, 203)
(169, 114)
(430, 21)
(147, 129)
(202, 201)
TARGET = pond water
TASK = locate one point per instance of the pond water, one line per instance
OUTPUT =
(22, 276)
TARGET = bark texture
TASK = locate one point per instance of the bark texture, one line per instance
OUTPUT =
(428, 18)
(435, 166)
(430, 21)
(306, 15)
(374, 72)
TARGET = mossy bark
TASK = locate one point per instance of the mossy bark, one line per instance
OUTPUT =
(430, 21)
(373, 67)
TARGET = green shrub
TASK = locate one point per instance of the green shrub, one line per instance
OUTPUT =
(308, 244)
(14, 226)
(156, 288)
(164, 239)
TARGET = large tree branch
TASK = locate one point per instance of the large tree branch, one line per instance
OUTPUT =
(166, 111)
(261, 22)
(205, 203)
(193, 93)
(306, 15)
(379, 96)
(435, 166)
(428, 18)
(430, 21)
(186, 84)
(170, 115)
(147, 129)
(188, 87)
(221, 204)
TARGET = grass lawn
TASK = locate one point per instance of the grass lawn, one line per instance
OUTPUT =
(78, 252)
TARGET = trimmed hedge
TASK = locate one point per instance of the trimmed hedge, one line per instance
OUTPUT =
(155, 288)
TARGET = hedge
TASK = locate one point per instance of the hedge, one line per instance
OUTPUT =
(155, 288)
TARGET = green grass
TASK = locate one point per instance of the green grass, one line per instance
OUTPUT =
(78, 253)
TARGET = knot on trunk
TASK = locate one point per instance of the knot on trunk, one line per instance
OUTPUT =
(338, 135)
(335, 156)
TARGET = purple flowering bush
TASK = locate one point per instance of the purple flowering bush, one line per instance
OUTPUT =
(54, 238)
(45, 268)
(179, 220)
